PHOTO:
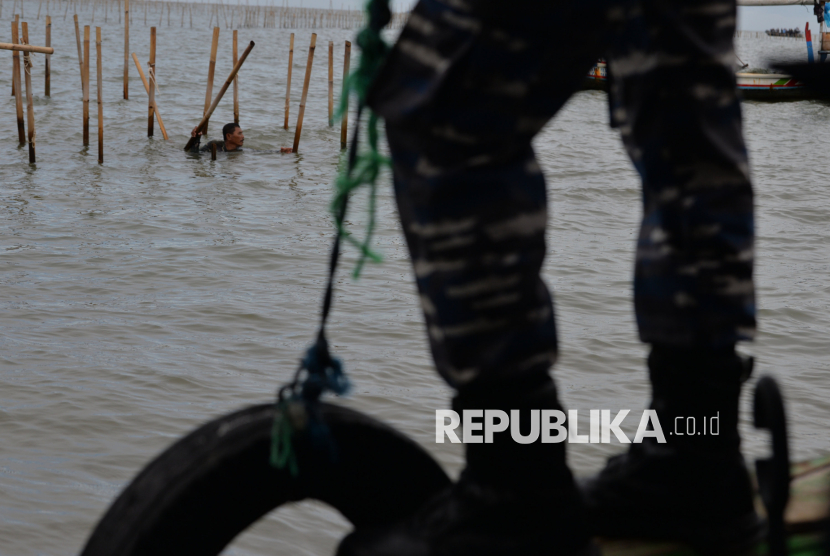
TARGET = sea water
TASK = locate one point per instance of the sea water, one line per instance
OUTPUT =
(159, 290)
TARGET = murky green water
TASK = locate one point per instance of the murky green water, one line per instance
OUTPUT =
(146, 295)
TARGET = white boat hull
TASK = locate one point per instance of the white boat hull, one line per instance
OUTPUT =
(753, 86)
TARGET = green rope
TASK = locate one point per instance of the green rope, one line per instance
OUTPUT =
(369, 162)
(282, 449)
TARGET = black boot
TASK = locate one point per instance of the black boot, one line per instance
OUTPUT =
(694, 488)
(512, 499)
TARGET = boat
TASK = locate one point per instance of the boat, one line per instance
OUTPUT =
(772, 86)
(754, 84)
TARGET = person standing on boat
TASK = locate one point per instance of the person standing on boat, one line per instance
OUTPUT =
(465, 89)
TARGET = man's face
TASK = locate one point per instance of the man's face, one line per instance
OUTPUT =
(234, 140)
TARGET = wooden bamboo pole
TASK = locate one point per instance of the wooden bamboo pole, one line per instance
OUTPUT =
(299, 129)
(47, 64)
(288, 87)
(151, 92)
(344, 124)
(331, 83)
(126, 49)
(209, 93)
(30, 107)
(80, 53)
(235, 82)
(16, 21)
(147, 88)
(99, 64)
(86, 85)
(26, 48)
(202, 125)
(18, 96)
(213, 151)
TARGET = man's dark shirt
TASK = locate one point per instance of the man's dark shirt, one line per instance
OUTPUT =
(220, 146)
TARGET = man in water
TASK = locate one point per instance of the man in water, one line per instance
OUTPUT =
(233, 140)
(463, 92)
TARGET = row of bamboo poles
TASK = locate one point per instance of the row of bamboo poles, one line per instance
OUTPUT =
(211, 102)
(220, 14)
(287, 17)
(21, 44)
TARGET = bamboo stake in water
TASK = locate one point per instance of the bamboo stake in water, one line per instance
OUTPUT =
(126, 49)
(151, 93)
(14, 47)
(80, 54)
(344, 124)
(48, 82)
(18, 96)
(86, 85)
(209, 93)
(331, 83)
(235, 82)
(147, 88)
(288, 87)
(100, 96)
(30, 107)
(213, 151)
(202, 125)
(299, 129)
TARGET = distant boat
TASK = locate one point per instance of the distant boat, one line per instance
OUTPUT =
(788, 33)
(756, 84)
(772, 86)
(753, 86)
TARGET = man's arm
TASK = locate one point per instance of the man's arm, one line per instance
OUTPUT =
(195, 148)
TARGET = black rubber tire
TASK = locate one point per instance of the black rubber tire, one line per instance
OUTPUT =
(212, 484)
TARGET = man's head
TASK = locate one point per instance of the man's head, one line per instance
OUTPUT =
(233, 136)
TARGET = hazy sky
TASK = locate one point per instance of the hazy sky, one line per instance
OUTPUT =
(768, 17)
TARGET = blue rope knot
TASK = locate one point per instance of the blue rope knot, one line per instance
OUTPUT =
(324, 372)
(298, 410)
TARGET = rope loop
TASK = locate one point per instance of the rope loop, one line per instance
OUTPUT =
(28, 59)
(298, 410)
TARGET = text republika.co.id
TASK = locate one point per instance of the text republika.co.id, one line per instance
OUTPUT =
(479, 426)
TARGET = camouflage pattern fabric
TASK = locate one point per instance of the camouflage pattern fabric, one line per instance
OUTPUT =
(465, 89)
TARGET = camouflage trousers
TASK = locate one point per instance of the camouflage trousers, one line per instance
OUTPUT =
(465, 89)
